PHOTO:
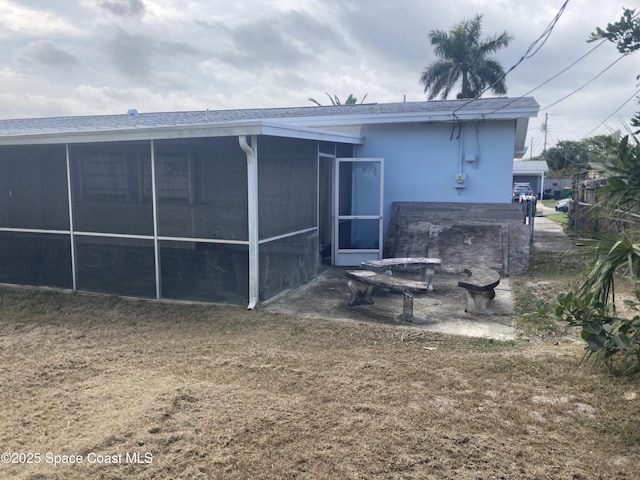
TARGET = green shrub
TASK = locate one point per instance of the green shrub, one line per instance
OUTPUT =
(608, 336)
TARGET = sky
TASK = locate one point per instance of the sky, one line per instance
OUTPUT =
(87, 57)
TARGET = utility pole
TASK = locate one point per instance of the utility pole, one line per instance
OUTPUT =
(531, 153)
(545, 128)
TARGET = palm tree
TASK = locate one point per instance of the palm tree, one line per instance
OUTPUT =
(464, 56)
(351, 100)
(622, 170)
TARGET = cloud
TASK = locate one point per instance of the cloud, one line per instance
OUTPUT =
(139, 56)
(288, 40)
(124, 8)
(244, 54)
(45, 53)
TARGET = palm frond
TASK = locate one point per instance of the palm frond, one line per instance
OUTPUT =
(612, 255)
(464, 53)
(622, 169)
(439, 78)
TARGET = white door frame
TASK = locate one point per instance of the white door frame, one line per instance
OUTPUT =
(352, 256)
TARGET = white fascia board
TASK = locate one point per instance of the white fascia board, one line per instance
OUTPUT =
(410, 117)
(522, 126)
(126, 134)
(175, 131)
(278, 129)
(523, 167)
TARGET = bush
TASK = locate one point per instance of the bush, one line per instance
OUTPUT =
(608, 336)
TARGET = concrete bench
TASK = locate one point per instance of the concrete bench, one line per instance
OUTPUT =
(362, 282)
(426, 265)
(480, 289)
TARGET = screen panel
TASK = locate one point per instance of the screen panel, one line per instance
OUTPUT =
(39, 259)
(287, 263)
(287, 185)
(202, 188)
(205, 272)
(118, 266)
(33, 187)
(111, 187)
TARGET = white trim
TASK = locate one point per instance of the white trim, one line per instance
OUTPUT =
(71, 236)
(444, 116)
(229, 129)
(358, 250)
(123, 235)
(154, 207)
(114, 235)
(287, 235)
(252, 218)
(352, 257)
(359, 217)
(34, 230)
(202, 240)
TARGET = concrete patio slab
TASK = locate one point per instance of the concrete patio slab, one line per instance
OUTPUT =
(439, 311)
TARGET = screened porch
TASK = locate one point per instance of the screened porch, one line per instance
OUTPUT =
(217, 219)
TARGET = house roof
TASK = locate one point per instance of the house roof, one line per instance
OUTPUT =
(307, 121)
(597, 166)
(533, 167)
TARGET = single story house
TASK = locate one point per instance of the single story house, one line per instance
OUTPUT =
(532, 172)
(235, 206)
(589, 181)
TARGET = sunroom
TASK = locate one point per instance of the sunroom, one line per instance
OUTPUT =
(217, 213)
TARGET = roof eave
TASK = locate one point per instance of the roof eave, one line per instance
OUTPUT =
(178, 131)
(411, 117)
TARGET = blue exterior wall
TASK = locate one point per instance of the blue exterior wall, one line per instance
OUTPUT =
(421, 161)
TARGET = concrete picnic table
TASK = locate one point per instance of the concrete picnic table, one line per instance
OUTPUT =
(426, 265)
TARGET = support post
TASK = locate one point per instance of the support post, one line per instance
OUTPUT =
(74, 268)
(154, 203)
(407, 306)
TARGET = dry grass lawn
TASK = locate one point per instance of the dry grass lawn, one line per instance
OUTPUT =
(198, 392)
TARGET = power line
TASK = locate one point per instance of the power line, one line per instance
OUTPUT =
(543, 83)
(546, 34)
(531, 51)
(554, 76)
(550, 78)
(614, 112)
(584, 85)
(564, 69)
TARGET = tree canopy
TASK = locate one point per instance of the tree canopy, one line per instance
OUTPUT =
(592, 304)
(622, 190)
(464, 56)
(574, 156)
(625, 34)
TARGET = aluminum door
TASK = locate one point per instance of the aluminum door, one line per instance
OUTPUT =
(358, 208)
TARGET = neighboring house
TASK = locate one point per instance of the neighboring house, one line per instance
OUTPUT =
(532, 172)
(589, 181)
(235, 206)
(558, 188)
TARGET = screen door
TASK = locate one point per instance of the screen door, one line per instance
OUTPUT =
(358, 208)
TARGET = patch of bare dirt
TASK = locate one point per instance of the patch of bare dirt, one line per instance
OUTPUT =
(145, 390)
